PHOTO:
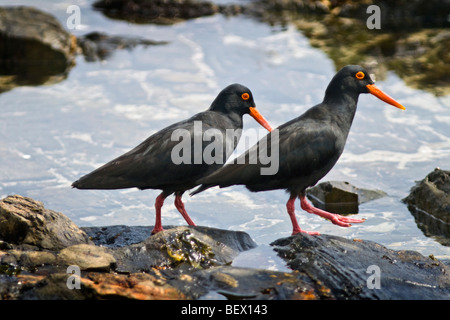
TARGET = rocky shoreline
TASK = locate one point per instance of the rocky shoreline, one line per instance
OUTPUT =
(44, 256)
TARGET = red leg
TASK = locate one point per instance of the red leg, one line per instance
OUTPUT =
(334, 217)
(290, 205)
(158, 204)
(180, 206)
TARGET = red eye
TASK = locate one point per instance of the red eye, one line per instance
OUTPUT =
(245, 96)
(360, 75)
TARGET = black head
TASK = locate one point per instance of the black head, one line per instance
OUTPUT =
(353, 80)
(238, 99)
(234, 98)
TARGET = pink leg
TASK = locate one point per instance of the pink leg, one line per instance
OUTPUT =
(180, 206)
(290, 205)
(334, 217)
(158, 204)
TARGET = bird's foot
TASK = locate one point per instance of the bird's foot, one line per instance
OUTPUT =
(313, 233)
(157, 229)
(333, 217)
(295, 227)
(341, 220)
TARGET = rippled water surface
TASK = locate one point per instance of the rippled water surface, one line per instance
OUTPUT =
(51, 135)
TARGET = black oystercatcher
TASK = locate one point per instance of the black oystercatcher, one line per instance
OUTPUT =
(308, 147)
(174, 158)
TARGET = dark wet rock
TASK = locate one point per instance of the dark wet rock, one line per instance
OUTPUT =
(188, 262)
(26, 221)
(102, 286)
(118, 235)
(189, 247)
(341, 197)
(99, 46)
(161, 11)
(34, 48)
(249, 284)
(429, 203)
(348, 269)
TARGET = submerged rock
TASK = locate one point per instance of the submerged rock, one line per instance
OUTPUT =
(160, 11)
(99, 46)
(360, 269)
(429, 203)
(341, 197)
(34, 48)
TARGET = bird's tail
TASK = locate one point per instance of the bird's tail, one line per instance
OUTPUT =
(202, 188)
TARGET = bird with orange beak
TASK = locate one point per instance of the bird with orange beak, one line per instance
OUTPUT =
(151, 165)
(308, 147)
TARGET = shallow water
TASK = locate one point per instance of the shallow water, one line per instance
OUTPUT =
(51, 135)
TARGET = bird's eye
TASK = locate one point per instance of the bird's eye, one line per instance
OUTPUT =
(360, 75)
(245, 96)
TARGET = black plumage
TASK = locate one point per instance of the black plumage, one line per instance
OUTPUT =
(151, 165)
(308, 146)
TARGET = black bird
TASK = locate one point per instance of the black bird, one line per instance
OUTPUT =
(307, 147)
(174, 158)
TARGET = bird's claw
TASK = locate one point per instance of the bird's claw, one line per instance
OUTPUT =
(344, 221)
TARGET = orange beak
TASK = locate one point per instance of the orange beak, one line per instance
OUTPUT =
(383, 96)
(259, 118)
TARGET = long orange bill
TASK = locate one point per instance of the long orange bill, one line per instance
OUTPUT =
(259, 118)
(383, 96)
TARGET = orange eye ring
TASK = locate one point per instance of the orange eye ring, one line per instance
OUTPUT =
(245, 96)
(360, 75)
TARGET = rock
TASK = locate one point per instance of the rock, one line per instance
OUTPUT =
(117, 236)
(429, 203)
(341, 197)
(244, 283)
(188, 262)
(191, 247)
(138, 286)
(156, 11)
(20, 260)
(99, 46)
(101, 286)
(163, 11)
(87, 257)
(34, 48)
(26, 221)
(360, 269)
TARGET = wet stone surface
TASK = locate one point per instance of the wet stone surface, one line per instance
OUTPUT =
(341, 197)
(195, 263)
(361, 269)
(429, 203)
(34, 48)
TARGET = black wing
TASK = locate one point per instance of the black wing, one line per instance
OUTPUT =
(308, 147)
(150, 164)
